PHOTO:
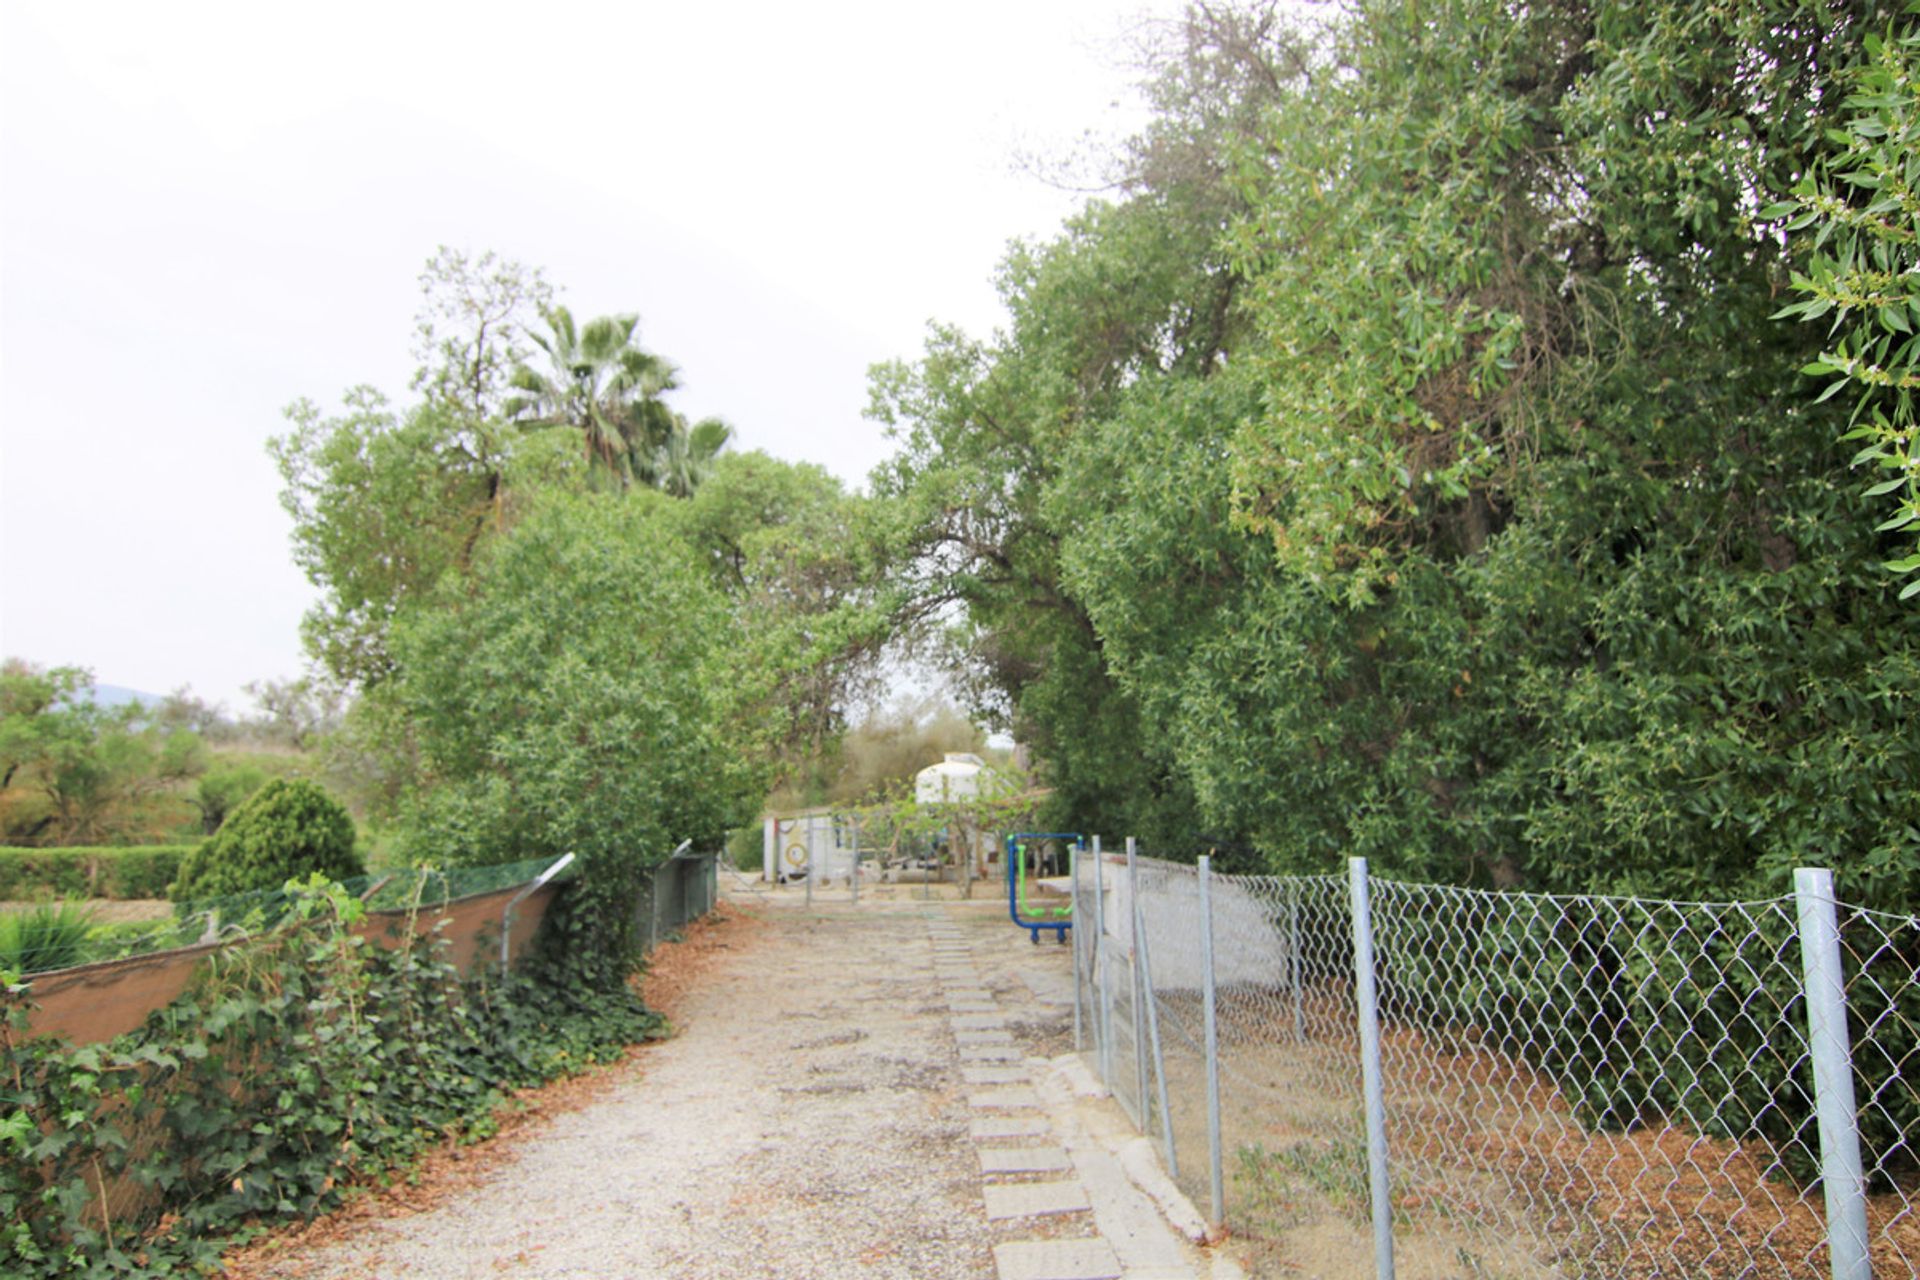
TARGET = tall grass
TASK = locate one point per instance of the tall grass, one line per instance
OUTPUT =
(50, 935)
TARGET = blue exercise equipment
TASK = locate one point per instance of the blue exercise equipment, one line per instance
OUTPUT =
(1033, 920)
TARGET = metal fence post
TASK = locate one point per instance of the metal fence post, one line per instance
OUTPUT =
(1133, 988)
(1293, 960)
(1153, 1038)
(812, 866)
(1102, 969)
(653, 908)
(1827, 1041)
(1216, 1183)
(1367, 1000)
(856, 861)
(1073, 934)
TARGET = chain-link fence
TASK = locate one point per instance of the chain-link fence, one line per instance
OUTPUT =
(1514, 1085)
(61, 935)
(680, 891)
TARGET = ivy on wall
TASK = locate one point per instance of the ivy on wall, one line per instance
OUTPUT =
(302, 1063)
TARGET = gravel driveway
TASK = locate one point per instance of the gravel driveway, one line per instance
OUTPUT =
(810, 1119)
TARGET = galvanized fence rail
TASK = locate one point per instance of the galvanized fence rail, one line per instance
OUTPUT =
(1460, 1082)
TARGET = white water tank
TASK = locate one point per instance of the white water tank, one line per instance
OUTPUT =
(957, 778)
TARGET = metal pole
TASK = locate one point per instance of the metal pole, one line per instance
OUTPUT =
(1367, 998)
(1153, 1035)
(1073, 870)
(856, 860)
(1833, 1099)
(653, 908)
(1133, 988)
(506, 916)
(811, 866)
(1293, 959)
(1102, 963)
(1216, 1183)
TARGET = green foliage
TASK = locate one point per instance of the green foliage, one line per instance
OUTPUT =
(601, 383)
(561, 698)
(1863, 207)
(1128, 297)
(1386, 474)
(952, 830)
(136, 871)
(299, 1065)
(794, 555)
(288, 829)
(51, 935)
(1411, 465)
(885, 749)
(744, 849)
(75, 772)
(221, 790)
(382, 504)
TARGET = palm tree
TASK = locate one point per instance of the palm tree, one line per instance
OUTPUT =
(687, 458)
(604, 385)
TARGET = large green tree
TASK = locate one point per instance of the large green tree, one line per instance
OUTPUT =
(795, 555)
(1134, 295)
(75, 771)
(1381, 471)
(564, 693)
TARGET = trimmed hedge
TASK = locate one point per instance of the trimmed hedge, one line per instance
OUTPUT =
(133, 871)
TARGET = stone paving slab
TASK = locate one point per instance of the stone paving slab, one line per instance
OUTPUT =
(982, 1035)
(994, 1075)
(989, 1053)
(1034, 1199)
(978, 1021)
(1003, 1099)
(969, 993)
(1056, 1260)
(1024, 1160)
(986, 1128)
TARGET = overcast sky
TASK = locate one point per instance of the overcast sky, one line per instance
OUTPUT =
(206, 211)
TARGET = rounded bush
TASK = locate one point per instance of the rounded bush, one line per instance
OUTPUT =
(287, 829)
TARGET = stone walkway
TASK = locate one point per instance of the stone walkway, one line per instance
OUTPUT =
(1038, 1124)
(885, 1092)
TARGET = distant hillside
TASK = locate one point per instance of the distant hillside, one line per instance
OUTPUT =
(113, 695)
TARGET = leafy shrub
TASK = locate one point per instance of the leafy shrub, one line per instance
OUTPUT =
(51, 935)
(222, 790)
(137, 871)
(562, 696)
(299, 1064)
(288, 829)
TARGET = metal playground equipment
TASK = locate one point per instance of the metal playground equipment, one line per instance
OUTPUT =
(1027, 912)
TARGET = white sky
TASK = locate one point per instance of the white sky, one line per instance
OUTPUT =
(207, 211)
